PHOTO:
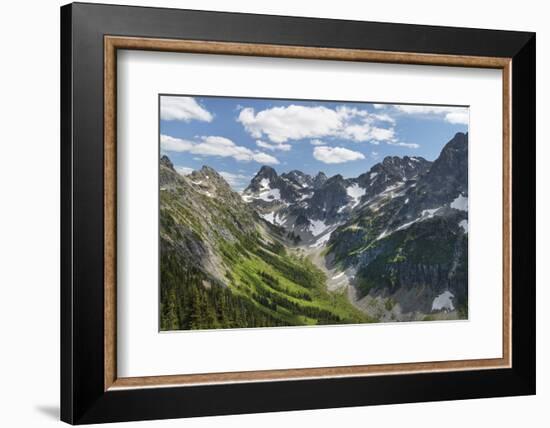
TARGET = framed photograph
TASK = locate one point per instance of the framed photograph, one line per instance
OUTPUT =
(266, 213)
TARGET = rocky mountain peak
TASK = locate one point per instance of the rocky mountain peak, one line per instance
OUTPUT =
(209, 182)
(210, 172)
(391, 161)
(165, 160)
(265, 178)
(335, 179)
(406, 168)
(266, 172)
(319, 180)
(298, 178)
(206, 173)
(450, 170)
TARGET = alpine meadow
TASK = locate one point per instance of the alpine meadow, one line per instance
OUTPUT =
(278, 212)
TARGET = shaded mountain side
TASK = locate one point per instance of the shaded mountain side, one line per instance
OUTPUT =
(413, 247)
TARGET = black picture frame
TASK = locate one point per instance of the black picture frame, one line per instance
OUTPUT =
(83, 398)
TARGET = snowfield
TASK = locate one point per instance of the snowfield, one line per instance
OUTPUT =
(424, 215)
(356, 193)
(460, 203)
(443, 301)
(270, 195)
(270, 217)
(317, 227)
(265, 184)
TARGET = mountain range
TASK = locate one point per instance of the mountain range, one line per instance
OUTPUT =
(293, 249)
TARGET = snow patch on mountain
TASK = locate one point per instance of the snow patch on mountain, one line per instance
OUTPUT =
(443, 301)
(247, 198)
(356, 193)
(270, 217)
(460, 203)
(317, 227)
(270, 195)
(464, 225)
(265, 184)
(426, 214)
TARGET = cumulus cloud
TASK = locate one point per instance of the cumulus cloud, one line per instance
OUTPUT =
(454, 115)
(296, 122)
(215, 146)
(379, 106)
(183, 108)
(332, 155)
(273, 146)
(183, 170)
(261, 157)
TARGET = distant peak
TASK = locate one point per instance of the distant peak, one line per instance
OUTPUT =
(459, 141)
(207, 173)
(391, 160)
(266, 172)
(335, 179)
(296, 172)
(266, 168)
(208, 169)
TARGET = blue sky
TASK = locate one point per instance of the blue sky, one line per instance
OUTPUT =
(236, 136)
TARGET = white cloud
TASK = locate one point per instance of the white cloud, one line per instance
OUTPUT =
(327, 154)
(294, 122)
(215, 146)
(183, 170)
(261, 157)
(171, 144)
(273, 146)
(317, 143)
(183, 108)
(401, 144)
(379, 106)
(384, 118)
(455, 115)
(237, 181)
